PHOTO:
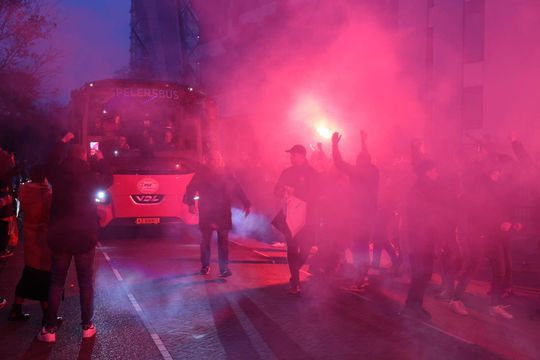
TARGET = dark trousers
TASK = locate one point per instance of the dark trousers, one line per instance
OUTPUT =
(381, 240)
(421, 271)
(298, 249)
(223, 247)
(360, 252)
(471, 255)
(499, 260)
(507, 280)
(84, 264)
(450, 260)
(4, 236)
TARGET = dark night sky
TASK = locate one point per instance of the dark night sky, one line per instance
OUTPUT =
(92, 39)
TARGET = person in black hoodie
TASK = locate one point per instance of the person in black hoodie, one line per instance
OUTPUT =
(73, 229)
(364, 180)
(425, 213)
(299, 188)
(492, 211)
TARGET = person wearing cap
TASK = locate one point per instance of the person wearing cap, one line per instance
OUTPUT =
(298, 187)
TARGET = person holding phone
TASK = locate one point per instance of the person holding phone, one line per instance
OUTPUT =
(73, 228)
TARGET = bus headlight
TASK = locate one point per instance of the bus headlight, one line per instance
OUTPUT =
(102, 197)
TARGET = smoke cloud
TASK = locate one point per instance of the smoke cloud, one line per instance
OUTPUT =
(308, 72)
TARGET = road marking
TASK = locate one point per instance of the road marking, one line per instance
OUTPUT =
(255, 251)
(134, 302)
(161, 347)
(117, 274)
(266, 256)
(165, 354)
(436, 328)
(356, 292)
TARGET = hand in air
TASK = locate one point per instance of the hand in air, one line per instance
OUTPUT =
(335, 138)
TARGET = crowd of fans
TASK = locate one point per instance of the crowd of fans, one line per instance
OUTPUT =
(454, 217)
(446, 216)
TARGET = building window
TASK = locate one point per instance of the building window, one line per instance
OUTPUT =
(473, 31)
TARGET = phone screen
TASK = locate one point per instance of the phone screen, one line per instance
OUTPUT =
(94, 145)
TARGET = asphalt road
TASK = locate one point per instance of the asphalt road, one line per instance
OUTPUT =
(151, 303)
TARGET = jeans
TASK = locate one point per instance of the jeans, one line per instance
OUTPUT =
(223, 248)
(84, 264)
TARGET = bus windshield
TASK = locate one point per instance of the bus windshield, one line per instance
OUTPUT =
(141, 127)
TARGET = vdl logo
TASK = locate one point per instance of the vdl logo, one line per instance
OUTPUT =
(147, 185)
(147, 199)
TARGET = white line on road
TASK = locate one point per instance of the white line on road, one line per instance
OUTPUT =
(134, 303)
(155, 337)
(255, 251)
(434, 327)
(117, 274)
(266, 256)
(161, 347)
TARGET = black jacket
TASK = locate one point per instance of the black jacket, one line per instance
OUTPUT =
(431, 208)
(306, 184)
(365, 185)
(216, 190)
(73, 220)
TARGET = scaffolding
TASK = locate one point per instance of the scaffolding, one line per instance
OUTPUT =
(163, 41)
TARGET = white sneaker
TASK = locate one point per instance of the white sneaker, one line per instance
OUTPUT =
(458, 307)
(500, 311)
(88, 331)
(47, 335)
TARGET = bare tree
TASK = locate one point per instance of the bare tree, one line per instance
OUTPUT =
(24, 25)
(25, 56)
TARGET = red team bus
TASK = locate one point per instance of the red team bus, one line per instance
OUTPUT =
(153, 136)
